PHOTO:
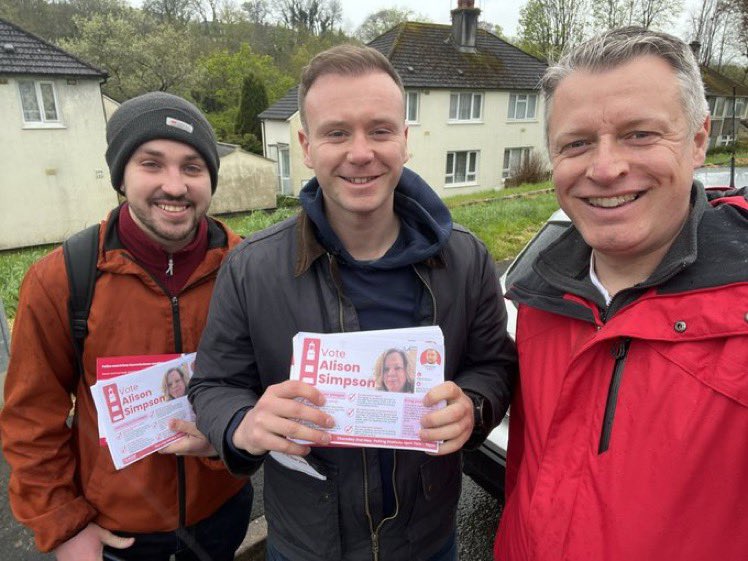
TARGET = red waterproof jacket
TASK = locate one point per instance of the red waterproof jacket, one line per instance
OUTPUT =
(61, 478)
(629, 435)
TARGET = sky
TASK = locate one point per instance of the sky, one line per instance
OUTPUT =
(502, 12)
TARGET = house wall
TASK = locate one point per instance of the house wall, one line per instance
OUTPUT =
(300, 173)
(245, 182)
(433, 136)
(54, 181)
(287, 132)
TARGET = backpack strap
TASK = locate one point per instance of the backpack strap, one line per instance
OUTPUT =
(81, 252)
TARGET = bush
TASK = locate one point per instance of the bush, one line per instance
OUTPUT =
(530, 170)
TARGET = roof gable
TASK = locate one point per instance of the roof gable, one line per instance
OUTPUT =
(425, 56)
(22, 52)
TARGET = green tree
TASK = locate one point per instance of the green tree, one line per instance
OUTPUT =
(139, 54)
(54, 21)
(254, 100)
(381, 21)
(218, 85)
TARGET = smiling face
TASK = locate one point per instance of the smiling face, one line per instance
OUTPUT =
(394, 375)
(175, 384)
(356, 143)
(431, 356)
(623, 158)
(168, 190)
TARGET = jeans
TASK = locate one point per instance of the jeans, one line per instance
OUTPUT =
(214, 539)
(447, 553)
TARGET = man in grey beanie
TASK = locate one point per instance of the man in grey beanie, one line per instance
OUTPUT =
(158, 256)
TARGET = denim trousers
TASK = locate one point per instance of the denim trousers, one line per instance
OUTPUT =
(214, 539)
(447, 553)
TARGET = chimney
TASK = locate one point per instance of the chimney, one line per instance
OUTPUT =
(465, 25)
(695, 48)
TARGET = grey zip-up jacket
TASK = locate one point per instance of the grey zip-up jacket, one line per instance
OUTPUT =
(282, 281)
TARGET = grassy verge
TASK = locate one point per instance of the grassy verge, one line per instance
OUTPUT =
(505, 224)
(723, 158)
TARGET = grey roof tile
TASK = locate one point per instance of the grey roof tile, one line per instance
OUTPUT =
(284, 108)
(425, 56)
(22, 52)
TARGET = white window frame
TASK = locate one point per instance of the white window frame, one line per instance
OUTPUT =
(457, 101)
(412, 105)
(523, 100)
(284, 169)
(44, 120)
(470, 175)
(719, 108)
(524, 154)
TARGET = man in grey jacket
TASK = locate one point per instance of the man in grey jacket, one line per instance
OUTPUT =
(373, 248)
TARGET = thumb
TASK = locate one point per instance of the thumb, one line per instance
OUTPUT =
(113, 540)
(185, 427)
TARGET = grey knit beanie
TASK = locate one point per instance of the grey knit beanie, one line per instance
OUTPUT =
(158, 115)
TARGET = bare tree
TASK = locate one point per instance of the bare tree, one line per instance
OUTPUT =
(313, 16)
(258, 11)
(711, 27)
(656, 13)
(610, 14)
(547, 27)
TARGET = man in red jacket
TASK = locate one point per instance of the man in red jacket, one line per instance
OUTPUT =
(158, 256)
(628, 435)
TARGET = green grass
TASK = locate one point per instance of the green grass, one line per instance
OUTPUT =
(13, 266)
(504, 224)
(723, 158)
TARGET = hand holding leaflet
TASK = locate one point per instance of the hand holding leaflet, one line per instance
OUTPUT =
(374, 384)
(135, 409)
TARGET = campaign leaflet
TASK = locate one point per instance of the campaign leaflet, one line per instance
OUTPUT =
(374, 383)
(108, 367)
(134, 409)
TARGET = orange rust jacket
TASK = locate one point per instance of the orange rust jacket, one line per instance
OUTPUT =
(61, 478)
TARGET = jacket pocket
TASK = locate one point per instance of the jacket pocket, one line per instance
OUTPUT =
(433, 515)
(302, 513)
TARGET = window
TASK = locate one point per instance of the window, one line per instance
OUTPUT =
(411, 107)
(465, 106)
(513, 158)
(719, 107)
(739, 104)
(462, 167)
(522, 106)
(284, 170)
(38, 101)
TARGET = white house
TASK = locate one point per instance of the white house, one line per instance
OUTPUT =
(723, 106)
(472, 106)
(54, 178)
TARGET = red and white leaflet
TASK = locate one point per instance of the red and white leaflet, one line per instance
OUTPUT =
(374, 382)
(134, 409)
(112, 366)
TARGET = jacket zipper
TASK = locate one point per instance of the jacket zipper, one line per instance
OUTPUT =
(186, 538)
(331, 263)
(431, 293)
(620, 352)
(375, 547)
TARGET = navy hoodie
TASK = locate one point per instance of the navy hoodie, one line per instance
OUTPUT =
(386, 292)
